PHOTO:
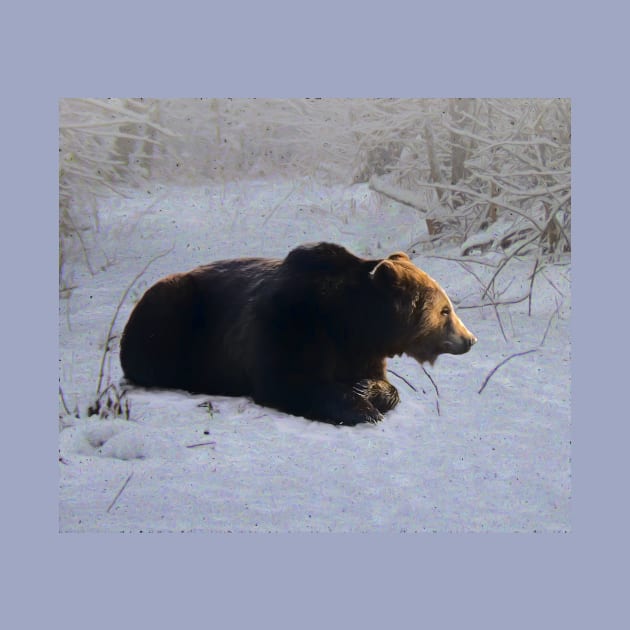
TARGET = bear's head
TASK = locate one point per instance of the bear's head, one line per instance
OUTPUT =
(426, 324)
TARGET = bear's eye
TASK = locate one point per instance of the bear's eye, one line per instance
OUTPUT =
(446, 311)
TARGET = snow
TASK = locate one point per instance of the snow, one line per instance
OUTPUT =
(460, 461)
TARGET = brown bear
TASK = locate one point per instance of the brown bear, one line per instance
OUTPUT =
(308, 335)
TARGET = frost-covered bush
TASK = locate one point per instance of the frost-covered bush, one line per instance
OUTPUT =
(498, 174)
(105, 146)
(464, 164)
(484, 173)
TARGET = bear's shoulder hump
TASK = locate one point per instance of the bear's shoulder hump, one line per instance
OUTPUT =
(322, 257)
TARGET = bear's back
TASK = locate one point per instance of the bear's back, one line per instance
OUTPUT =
(187, 330)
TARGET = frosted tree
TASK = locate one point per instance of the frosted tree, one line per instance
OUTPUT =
(105, 146)
(498, 173)
(487, 174)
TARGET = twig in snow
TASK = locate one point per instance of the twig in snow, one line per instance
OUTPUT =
(512, 356)
(494, 305)
(461, 307)
(531, 287)
(402, 378)
(467, 259)
(437, 391)
(553, 284)
(407, 198)
(542, 341)
(75, 230)
(519, 354)
(63, 402)
(201, 444)
(111, 505)
(505, 261)
(289, 194)
(432, 381)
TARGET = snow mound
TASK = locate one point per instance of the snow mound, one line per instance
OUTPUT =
(118, 439)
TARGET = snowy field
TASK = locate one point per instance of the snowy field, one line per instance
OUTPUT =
(451, 460)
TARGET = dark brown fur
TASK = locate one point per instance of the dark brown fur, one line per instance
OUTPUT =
(308, 335)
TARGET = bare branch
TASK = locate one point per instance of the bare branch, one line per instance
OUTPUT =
(402, 378)
(111, 505)
(432, 381)
(493, 303)
(63, 402)
(512, 356)
(406, 197)
(467, 259)
(507, 141)
(137, 119)
(504, 262)
(437, 392)
(554, 314)
(531, 286)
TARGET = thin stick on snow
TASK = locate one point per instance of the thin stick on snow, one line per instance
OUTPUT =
(512, 356)
(402, 378)
(519, 354)
(437, 391)
(531, 288)
(468, 259)
(289, 194)
(200, 444)
(461, 307)
(68, 217)
(63, 401)
(505, 261)
(111, 505)
(479, 280)
(552, 284)
(405, 197)
(554, 314)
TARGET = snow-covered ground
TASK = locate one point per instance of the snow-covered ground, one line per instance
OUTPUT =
(460, 461)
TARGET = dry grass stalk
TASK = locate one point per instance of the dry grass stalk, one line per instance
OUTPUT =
(111, 505)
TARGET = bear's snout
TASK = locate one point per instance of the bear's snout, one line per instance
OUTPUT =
(467, 342)
(462, 340)
(459, 345)
(459, 342)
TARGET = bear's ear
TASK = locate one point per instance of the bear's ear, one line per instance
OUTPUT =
(385, 273)
(398, 256)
